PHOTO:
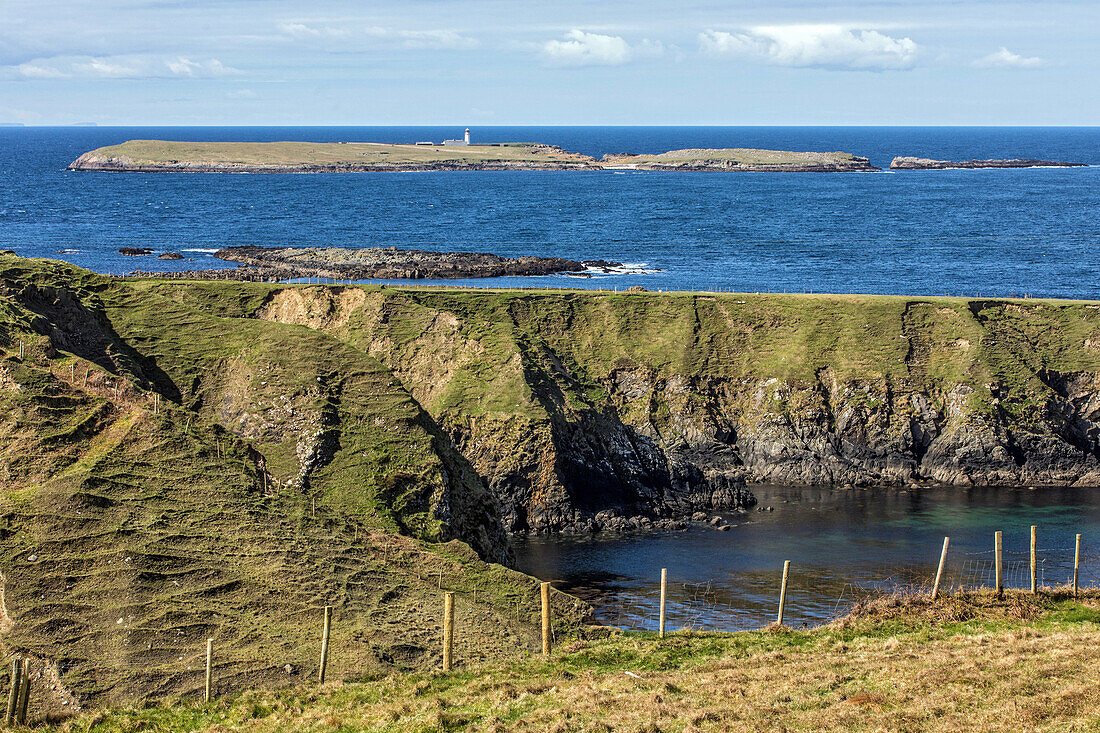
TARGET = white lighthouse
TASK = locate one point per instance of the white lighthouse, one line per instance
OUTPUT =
(464, 141)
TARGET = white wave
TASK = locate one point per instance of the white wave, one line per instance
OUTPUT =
(625, 268)
(210, 251)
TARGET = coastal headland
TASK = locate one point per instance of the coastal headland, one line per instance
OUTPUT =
(186, 460)
(358, 157)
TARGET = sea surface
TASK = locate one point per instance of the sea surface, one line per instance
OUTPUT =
(843, 545)
(1030, 231)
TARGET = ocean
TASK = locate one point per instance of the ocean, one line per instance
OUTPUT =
(988, 232)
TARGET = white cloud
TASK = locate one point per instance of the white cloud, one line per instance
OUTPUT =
(186, 67)
(107, 67)
(119, 67)
(34, 71)
(817, 46)
(1008, 60)
(595, 49)
(434, 38)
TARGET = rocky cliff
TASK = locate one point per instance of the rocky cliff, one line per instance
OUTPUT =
(590, 410)
(578, 408)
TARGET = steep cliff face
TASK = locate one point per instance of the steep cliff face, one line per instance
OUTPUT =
(580, 409)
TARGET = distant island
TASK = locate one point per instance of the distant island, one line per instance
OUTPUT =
(903, 163)
(354, 157)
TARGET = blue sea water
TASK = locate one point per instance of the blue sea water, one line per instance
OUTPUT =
(1033, 231)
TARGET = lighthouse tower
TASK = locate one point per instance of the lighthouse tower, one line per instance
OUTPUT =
(466, 137)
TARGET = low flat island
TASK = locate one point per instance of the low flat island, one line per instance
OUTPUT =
(355, 157)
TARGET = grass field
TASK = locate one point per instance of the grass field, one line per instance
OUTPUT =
(965, 662)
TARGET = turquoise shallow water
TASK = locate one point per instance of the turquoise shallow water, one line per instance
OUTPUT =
(842, 545)
(986, 231)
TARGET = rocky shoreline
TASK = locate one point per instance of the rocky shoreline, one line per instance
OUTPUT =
(904, 163)
(383, 263)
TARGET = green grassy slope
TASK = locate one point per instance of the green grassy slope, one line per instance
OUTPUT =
(131, 533)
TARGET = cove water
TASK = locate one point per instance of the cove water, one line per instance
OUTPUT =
(998, 232)
(843, 545)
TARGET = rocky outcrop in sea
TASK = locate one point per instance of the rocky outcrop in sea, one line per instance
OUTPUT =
(903, 163)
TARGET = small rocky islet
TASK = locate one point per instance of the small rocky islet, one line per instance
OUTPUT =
(258, 263)
(905, 163)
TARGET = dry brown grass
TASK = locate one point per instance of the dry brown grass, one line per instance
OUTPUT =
(878, 670)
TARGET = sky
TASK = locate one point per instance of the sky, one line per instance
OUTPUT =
(549, 62)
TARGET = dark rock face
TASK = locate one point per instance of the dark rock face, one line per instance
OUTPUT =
(599, 473)
(923, 164)
(591, 473)
(134, 251)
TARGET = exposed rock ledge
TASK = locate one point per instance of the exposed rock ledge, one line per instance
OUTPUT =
(286, 263)
(926, 164)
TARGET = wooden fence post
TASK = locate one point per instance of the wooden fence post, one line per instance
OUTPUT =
(939, 570)
(545, 619)
(783, 592)
(1076, 563)
(998, 549)
(324, 645)
(448, 628)
(209, 667)
(661, 623)
(24, 693)
(13, 696)
(1034, 564)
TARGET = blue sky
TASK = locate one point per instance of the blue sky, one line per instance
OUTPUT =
(549, 62)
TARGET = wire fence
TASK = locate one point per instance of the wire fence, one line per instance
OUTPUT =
(749, 600)
(745, 601)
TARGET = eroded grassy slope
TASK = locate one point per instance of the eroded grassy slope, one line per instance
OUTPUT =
(168, 475)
